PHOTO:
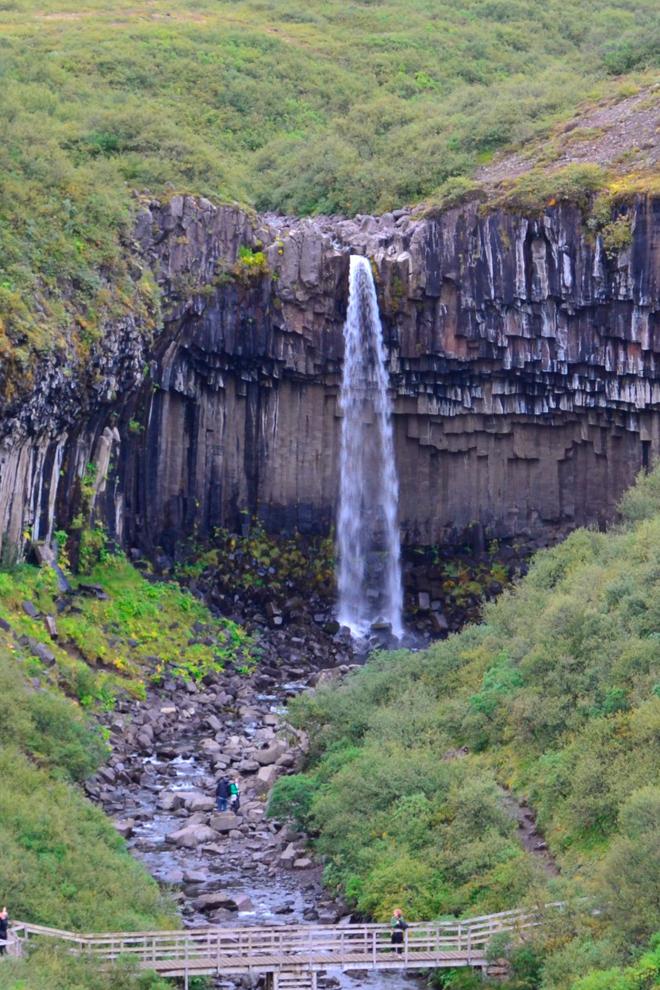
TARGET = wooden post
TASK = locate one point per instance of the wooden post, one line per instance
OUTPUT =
(469, 946)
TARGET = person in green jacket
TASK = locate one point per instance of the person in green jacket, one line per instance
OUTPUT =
(398, 924)
(234, 796)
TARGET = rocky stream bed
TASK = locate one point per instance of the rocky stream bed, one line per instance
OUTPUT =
(159, 787)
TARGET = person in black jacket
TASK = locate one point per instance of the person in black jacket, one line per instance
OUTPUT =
(4, 926)
(222, 794)
(398, 925)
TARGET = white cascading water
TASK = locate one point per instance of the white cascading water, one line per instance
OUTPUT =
(369, 578)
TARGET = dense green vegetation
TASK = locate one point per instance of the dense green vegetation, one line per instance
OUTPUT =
(555, 697)
(62, 863)
(284, 104)
(50, 969)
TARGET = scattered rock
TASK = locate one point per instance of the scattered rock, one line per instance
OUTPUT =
(93, 591)
(51, 626)
(439, 622)
(194, 876)
(289, 855)
(270, 755)
(125, 827)
(43, 652)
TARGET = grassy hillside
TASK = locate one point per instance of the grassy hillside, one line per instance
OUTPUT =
(62, 863)
(133, 630)
(555, 697)
(283, 104)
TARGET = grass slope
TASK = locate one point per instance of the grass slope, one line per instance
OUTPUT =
(136, 631)
(62, 864)
(283, 104)
(556, 696)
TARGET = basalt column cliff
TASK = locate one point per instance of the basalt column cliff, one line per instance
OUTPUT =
(522, 356)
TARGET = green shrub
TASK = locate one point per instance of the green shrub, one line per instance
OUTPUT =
(45, 725)
(291, 799)
(454, 191)
(632, 865)
(643, 975)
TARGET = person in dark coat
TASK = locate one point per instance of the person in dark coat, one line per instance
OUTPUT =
(4, 930)
(222, 794)
(398, 925)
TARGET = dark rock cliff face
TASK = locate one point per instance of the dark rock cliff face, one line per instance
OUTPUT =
(522, 360)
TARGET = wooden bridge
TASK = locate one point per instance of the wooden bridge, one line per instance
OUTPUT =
(289, 956)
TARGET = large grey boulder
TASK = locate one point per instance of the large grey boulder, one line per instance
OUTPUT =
(265, 757)
(265, 779)
(220, 899)
(192, 836)
(289, 855)
(199, 802)
(225, 821)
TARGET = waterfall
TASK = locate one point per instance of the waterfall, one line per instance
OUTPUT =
(369, 578)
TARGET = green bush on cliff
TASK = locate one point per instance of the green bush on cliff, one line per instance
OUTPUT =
(554, 697)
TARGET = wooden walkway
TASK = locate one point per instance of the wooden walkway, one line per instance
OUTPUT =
(289, 955)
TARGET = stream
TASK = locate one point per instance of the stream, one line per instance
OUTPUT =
(221, 869)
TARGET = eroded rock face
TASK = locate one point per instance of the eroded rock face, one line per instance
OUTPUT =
(523, 362)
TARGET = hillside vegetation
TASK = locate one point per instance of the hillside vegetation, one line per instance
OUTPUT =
(554, 697)
(281, 104)
(63, 863)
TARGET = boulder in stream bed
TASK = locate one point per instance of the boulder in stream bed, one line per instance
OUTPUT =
(265, 757)
(225, 821)
(197, 801)
(265, 779)
(192, 836)
(220, 899)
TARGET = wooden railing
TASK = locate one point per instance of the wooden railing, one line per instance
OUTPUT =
(276, 949)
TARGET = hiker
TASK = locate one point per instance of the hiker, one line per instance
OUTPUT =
(234, 796)
(222, 794)
(4, 926)
(398, 925)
